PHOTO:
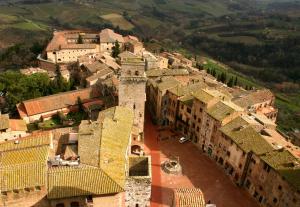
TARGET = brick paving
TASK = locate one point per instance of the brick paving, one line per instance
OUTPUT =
(197, 171)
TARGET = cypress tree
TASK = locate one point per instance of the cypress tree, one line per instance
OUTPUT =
(230, 82)
(116, 49)
(235, 81)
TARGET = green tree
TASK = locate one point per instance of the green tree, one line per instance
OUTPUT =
(213, 72)
(230, 82)
(223, 77)
(80, 104)
(59, 84)
(208, 70)
(235, 81)
(116, 49)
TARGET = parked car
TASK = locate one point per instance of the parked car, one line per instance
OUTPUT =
(183, 139)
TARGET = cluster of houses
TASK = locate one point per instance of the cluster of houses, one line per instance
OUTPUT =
(100, 165)
(234, 127)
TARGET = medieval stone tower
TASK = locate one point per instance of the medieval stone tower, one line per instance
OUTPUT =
(132, 88)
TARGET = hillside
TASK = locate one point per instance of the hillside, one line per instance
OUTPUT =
(257, 38)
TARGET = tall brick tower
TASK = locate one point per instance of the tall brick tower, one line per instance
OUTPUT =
(132, 88)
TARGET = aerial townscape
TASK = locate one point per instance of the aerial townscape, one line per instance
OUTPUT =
(149, 103)
(142, 129)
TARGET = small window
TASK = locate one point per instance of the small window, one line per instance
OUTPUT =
(3, 193)
(37, 188)
(279, 187)
(74, 204)
(248, 184)
(16, 191)
(275, 200)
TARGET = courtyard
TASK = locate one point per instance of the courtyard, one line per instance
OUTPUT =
(197, 171)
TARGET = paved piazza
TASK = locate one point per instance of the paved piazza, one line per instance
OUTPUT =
(197, 171)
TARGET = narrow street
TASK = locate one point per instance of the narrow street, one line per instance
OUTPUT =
(197, 171)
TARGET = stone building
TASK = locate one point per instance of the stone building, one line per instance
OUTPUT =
(234, 127)
(259, 101)
(273, 179)
(138, 183)
(100, 178)
(184, 197)
(65, 46)
(156, 96)
(44, 108)
(132, 88)
(11, 128)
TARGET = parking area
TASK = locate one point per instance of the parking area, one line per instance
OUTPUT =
(197, 171)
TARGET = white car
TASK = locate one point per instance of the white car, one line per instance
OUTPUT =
(183, 139)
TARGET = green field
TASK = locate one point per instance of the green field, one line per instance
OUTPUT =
(118, 20)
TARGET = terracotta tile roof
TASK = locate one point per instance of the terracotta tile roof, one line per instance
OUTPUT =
(4, 121)
(189, 197)
(78, 46)
(116, 133)
(187, 100)
(166, 72)
(102, 146)
(57, 101)
(223, 109)
(109, 36)
(285, 164)
(188, 89)
(243, 135)
(253, 98)
(23, 176)
(78, 181)
(17, 125)
(100, 74)
(164, 83)
(23, 164)
(38, 139)
(59, 41)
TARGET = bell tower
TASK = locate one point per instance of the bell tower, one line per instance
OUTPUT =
(132, 89)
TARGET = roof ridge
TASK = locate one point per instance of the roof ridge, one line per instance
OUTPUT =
(57, 94)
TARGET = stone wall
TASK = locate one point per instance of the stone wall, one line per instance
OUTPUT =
(138, 192)
(132, 91)
(138, 183)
